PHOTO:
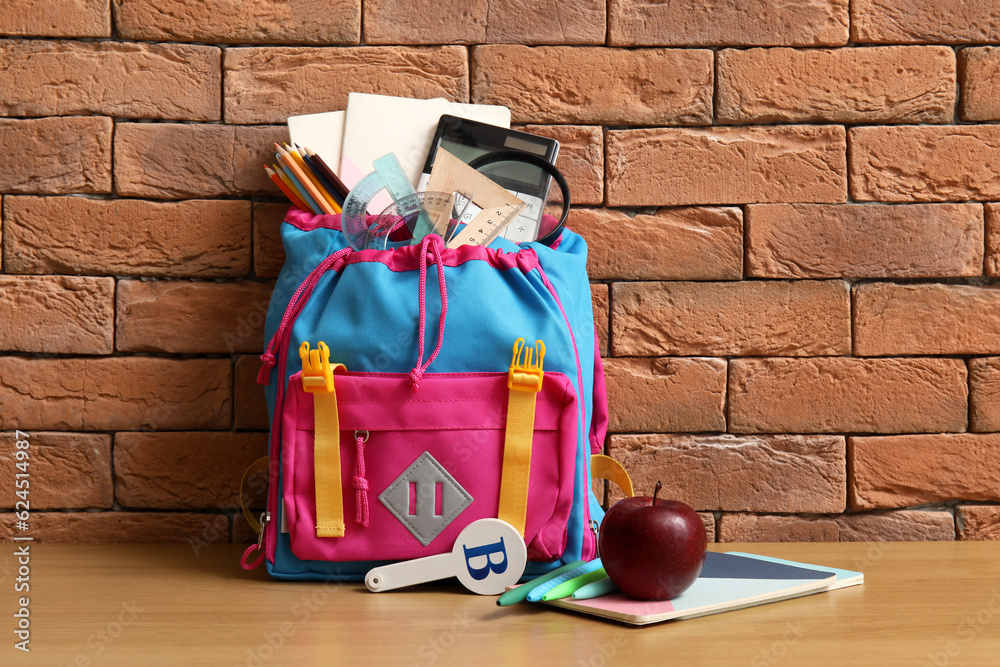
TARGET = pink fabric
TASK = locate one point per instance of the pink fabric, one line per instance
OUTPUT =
(599, 415)
(461, 419)
(308, 221)
(407, 258)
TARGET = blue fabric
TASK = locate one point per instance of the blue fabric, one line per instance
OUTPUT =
(368, 314)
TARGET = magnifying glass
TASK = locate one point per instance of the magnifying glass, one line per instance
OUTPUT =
(500, 166)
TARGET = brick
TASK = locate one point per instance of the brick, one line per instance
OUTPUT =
(123, 80)
(708, 519)
(840, 395)
(258, 79)
(204, 239)
(248, 396)
(726, 165)
(992, 263)
(904, 470)
(892, 319)
(784, 473)
(67, 155)
(601, 297)
(67, 470)
(781, 318)
(978, 522)
(115, 393)
(984, 394)
(581, 160)
(727, 23)
(122, 527)
(690, 243)
(484, 22)
(268, 252)
(864, 241)
(924, 22)
(56, 314)
(249, 21)
(191, 317)
(892, 84)
(979, 72)
(902, 526)
(243, 532)
(56, 18)
(186, 470)
(908, 164)
(609, 86)
(660, 395)
(154, 160)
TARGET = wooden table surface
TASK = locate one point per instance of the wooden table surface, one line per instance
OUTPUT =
(922, 603)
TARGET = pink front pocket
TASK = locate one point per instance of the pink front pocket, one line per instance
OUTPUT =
(459, 420)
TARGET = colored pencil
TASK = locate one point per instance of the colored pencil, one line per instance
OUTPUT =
(342, 189)
(312, 177)
(327, 185)
(292, 197)
(313, 206)
(280, 171)
(303, 183)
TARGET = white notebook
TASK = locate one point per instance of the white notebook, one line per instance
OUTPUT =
(320, 132)
(380, 124)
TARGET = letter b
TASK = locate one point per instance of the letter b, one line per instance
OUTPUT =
(481, 573)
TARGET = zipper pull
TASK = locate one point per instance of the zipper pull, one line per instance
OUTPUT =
(265, 518)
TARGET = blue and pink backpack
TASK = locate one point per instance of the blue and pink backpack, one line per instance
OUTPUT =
(413, 391)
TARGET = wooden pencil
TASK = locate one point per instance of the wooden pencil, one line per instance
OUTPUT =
(297, 185)
(312, 177)
(292, 197)
(280, 171)
(330, 176)
(303, 181)
(326, 184)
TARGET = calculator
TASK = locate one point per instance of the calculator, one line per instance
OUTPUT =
(469, 139)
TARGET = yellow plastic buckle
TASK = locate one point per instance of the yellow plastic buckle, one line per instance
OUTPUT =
(317, 373)
(525, 372)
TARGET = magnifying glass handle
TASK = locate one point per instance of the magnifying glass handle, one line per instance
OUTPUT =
(412, 572)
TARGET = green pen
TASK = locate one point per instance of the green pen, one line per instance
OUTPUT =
(520, 593)
(568, 588)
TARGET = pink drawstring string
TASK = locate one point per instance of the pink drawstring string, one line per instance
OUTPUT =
(360, 482)
(292, 310)
(437, 248)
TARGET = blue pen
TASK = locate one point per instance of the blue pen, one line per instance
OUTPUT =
(520, 593)
(595, 589)
(310, 202)
(536, 594)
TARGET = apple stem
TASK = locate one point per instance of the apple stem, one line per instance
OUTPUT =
(659, 485)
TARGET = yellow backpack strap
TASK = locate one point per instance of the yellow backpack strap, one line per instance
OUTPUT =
(524, 380)
(605, 467)
(317, 379)
(251, 519)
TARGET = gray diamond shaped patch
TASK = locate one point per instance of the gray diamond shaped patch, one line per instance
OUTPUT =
(425, 498)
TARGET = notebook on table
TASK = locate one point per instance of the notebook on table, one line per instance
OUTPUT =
(728, 581)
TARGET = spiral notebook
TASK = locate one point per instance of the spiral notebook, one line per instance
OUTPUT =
(728, 581)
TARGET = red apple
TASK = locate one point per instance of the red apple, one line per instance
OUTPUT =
(652, 549)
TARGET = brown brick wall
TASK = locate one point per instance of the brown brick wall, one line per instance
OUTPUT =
(793, 211)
